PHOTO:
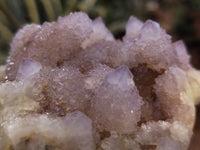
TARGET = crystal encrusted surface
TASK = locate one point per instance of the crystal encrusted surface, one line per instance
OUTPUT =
(70, 85)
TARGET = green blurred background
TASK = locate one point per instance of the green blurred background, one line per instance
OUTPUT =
(180, 18)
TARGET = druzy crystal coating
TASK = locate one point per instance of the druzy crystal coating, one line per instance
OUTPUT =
(70, 85)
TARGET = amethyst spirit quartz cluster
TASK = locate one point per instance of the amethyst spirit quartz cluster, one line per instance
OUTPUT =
(70, 85)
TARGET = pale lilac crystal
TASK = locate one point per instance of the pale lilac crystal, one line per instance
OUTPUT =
(62, 90)
(151, 31)
(117, 96)
(54, 42)
(121, 78)
(19, 48)
(133, 28)
(182, 54)
(28, 68)
(170, 89)
(71, 85)
(100, 32)
(95, 77)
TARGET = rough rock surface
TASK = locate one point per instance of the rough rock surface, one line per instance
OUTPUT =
(70, 85)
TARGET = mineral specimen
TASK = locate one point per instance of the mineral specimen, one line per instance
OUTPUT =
(70, 85)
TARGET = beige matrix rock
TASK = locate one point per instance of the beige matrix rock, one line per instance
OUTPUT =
(70, 85)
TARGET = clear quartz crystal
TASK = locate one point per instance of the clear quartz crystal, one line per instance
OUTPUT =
(70, 85)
